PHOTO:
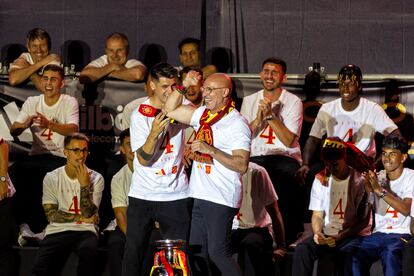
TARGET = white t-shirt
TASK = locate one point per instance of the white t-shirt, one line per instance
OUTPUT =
(60, 190)
(291, 115)
(358, 125)
(214, 182)
(103, 61)
(165, 179)
(120, 184)
(64, 111)
(258, 192)
(128, 109)
(388, 220)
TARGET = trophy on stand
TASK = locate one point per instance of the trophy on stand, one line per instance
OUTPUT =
(170, 260)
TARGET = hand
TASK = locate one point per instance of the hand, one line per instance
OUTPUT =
(116, 67)
(50, 58)
(330, 241)
(202, 147)
(192, 78)
(41, 120)
(93, 219)
(266, 107)
(279, 253)
(302, 173)
(319, 238)
(82, 174)
(3, 190)
(29, 122)
(160, 124)
(372, 180)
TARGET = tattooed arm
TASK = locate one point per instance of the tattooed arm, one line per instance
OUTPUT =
(59, 216)
(87, 207)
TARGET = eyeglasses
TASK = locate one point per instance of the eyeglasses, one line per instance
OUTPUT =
(78, 150)
(208, 90)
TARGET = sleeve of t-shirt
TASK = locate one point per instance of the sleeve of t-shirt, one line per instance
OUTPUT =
(26, 111)
(49, 193)
(195, 118)
(316, 198)
(72, 115)
(241, 135)
(408, 186)
(133, 63)
(98, 63)
(98, 186)
(247, 108)
(318, 129)
(293, 118)
(118, 197)
(139, 131)
(262, 181)
(383, 123)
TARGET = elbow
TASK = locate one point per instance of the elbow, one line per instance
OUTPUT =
(13, 81)
(243, 168)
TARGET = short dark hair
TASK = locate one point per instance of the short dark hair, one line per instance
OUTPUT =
(75, 136)
(54, 68)
(395, 142)
(351, 72)
(39, 33)
(187, 69)
(276, 60)
(120, 36)
(124, 134)
(163, 70)
(189, 40)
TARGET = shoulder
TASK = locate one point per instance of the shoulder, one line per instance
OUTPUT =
(55, 174)
(253, 97)
(99, 62)
(133, 63)
(95, 176)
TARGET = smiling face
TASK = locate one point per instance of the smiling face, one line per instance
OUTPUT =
(116, 50)
(38, 49)
(162, 88)
(349, 90)
(52, 82)
(272, 76)
(190, 55)
(392, 159)
(216, 91)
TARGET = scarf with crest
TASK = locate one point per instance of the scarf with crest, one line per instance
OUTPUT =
(205, 132)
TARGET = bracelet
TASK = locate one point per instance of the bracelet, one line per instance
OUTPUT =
(383, 193)
(181, 89)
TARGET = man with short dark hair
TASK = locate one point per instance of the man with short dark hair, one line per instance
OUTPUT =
(339, 207)
(275, 117)
(115, 63)
(159, 188)
(391, 192)
(28, 65)
(190, 55)
(71, 198)
(50, 117)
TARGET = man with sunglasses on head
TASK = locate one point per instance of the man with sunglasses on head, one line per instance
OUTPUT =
(50, 117)
(71, 198)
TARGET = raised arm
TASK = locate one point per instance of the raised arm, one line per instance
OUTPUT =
(92, 73)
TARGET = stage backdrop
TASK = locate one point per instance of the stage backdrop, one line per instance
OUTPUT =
(237, 35)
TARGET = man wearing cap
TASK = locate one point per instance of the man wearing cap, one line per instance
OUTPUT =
(391, 194)
(338, 203)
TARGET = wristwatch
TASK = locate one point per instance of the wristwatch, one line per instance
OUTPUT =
(3, 178)
(383, 193)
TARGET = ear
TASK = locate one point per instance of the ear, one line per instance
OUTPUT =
(152, 85)
(226, 92)
(284, 78)
(404, 157)
(65, 152)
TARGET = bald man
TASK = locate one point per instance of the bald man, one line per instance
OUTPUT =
(221, 152)
(115, 63)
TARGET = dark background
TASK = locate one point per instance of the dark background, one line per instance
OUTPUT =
(238, 34)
